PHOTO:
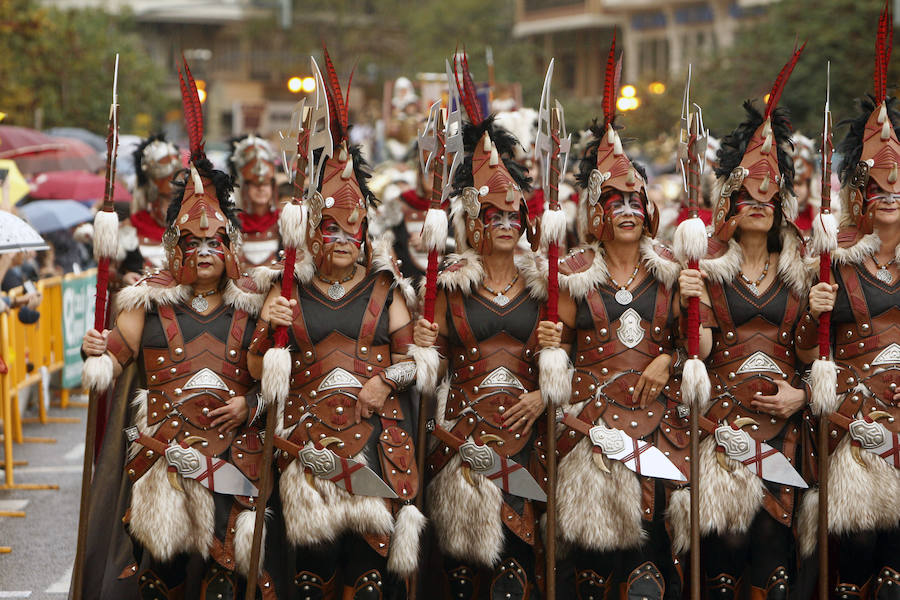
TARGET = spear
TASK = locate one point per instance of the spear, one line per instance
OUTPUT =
(690, 246)
(551, 147)
(98, 370)
(823, 374)
(313, 132)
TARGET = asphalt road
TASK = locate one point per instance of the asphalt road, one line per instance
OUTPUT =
(43, 543)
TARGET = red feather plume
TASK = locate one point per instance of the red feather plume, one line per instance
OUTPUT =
(467, 94)
(611, 83)
(781, 81)
(193, 112)
(883, 43)
(339, 117)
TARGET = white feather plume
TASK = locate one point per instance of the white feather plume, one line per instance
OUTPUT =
(555, 376)
(97, 374)
(435, 230)
(553, 227)
(292, 225)
(106, 234)
(690, 240)
(276, 377)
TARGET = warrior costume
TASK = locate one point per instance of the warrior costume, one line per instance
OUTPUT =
(347, 544)
(487, 537)
(613, 518)
(252, 161)
(156, 162)
(189, 363)
(746, 521)
(864, 462)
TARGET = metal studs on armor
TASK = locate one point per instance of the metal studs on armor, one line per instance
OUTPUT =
(731, 376)
(363, 350)
(729, 335)
(160, 360)
(603, 331)
(179, 351)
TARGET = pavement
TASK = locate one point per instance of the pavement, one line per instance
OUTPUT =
(43, 543)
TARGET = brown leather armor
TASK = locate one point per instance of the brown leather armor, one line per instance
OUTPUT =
(867, 354)
(325, 381)
(260, 248)
(185, 382)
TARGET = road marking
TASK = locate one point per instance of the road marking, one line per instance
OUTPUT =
(11, 505)
(61, 469)
(62, 584)
(15, 594)
(76, 453)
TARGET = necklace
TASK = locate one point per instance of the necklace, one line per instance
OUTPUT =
(754, 285)
(882, 273)
(336, 291)
(199, 303)
(500, 298)
(623, 296)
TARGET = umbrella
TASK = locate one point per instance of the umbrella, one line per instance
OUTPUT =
(73, 155)
(53, 215)
(12, 177)
(17, 235)
(75, 185)
(96, 142)
(21, 141)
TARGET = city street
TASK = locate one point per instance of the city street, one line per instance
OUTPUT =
(43, 543)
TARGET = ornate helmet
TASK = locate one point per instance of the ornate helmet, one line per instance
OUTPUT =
(804, 155)
(155, 163)
(343, 194)
(489, 175)
(870, 150)
(756, 157)
(252, 160)
(605, 167)
(201, 205)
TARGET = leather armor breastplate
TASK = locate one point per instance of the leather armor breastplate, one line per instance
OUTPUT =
(488, 375)
(867, 350)
(747, 359)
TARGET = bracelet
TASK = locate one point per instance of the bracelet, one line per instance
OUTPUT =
(399, 376)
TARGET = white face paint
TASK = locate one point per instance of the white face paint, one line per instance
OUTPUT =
(885, 198)
(503, 219)
(627, 206)
(205, 247)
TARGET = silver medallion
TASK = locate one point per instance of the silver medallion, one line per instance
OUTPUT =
(624, 297)
(199, 304)
(500, 300)
(884, 275)
(336, 291)
(754, 289)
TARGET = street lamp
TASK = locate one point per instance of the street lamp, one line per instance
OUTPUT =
(628, 99)
(295, 84)
(308, 84)
(201, 90)
(657, 88)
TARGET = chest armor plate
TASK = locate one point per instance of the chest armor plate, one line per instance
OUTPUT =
(746, 361)
(260, 248)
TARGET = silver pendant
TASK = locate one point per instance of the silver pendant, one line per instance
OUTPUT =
(199, 304)
(884, 275)
(336, 291)
(754, 289)
(500, 300)
(624, 297)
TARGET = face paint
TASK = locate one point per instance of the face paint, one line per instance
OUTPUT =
(333, 234)
(624, 206)
(884, 197)
(747, 201)
(501, 219)
(205, 247)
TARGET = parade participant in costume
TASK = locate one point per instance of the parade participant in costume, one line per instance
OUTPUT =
(349, 330)
(625, 318)
(864, 466)
(754, 301)
(187, 327)
(156, 162)
(805, 181)
(252, 164)
(486, 314)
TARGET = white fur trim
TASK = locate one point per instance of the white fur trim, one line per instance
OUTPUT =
(795, 269)
(467, 274)
(276, 376)
(243, 542)
(249, 302)
(466, 517)
(312, 513)
(383, 260)
(662, 269)
(97, 374)
(724, 268)
(858, 497)
(695, 385)
(144, 296)
(824, 233)
(823, 386)
(553, 227)
(596, 510)
(428, 362)
(106, 234)
(292, 225)
(690, 241)
(858, 252)
(579, 284)
(435, 231)
(534, 270)
(404, 555)
(458, 219)
(555, 376)
(728, 499)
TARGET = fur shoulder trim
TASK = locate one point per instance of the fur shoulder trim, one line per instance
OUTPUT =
(534, 269)
(853, 249)
(158, 288)
(128, 240)
(462, 271)
(660, 261)
(794, 266)
(722, 262)
(245, 295)
(265, 276)
(383, 260)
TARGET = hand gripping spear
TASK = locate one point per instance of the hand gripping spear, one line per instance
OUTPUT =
(690, 246)
(823, 374)
(98, 370)
(551, 147)
(313, 132)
